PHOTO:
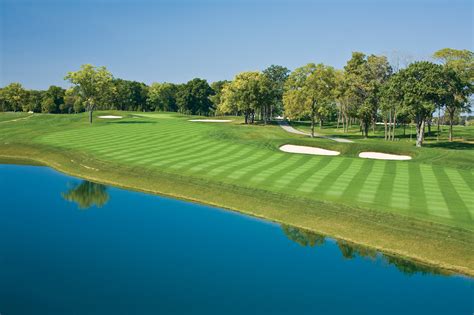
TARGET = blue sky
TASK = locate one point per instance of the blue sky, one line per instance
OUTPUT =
(175, 41)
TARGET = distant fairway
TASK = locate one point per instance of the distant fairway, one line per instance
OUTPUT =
(249, 156)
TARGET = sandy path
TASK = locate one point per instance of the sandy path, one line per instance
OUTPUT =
(290, 148)
(286, 126)
(16, 119)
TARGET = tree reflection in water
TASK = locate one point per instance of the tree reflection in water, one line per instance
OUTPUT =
(350, 251)
(87, 194)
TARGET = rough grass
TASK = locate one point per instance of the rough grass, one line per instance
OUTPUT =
(240, 167)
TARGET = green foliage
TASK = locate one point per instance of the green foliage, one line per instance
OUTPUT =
(310, 92)
(364, 77)
(13, 97)
(53, 99)
(216, 98)
(162, 97)
(92, 84)
(421, 87)
(247, 93)
(128, 95)
(193, 97)
(277, 76)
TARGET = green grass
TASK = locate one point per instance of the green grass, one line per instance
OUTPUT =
(216, 152)
(12, 116)
(436, 186)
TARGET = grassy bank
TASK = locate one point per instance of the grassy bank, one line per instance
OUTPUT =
(239, 167)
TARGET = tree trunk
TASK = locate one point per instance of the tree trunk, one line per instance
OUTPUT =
(385, 128)
(90, 115)
(438, 128)
(313, 117)
(394, 124)
(420, 130)
(451, 118)
(320, 123)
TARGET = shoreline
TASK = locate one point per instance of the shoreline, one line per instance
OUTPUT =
(444, 247)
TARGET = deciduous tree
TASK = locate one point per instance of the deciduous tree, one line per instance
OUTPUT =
(91, 83)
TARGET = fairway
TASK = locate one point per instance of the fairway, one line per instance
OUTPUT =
(241, 155)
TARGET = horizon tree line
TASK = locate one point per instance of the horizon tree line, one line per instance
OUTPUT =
(368, 90)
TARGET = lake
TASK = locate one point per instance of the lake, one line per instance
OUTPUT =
(69, 246)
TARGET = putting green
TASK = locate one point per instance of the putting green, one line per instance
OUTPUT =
(239, 155)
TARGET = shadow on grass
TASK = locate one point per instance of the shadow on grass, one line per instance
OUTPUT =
(132, 122)
(450, 145)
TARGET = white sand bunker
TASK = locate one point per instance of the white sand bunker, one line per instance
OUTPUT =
(307, 150)
(384, 156)
(211, 120)
(109, 117)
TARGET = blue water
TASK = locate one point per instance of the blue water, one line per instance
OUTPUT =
(61, 253)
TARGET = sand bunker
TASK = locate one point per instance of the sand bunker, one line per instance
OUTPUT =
(307, 150)
(109, 117)
(383, 156)
(210, 120)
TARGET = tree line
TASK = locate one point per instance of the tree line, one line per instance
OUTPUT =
(367, 90)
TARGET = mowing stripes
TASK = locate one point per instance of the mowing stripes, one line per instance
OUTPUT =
(436, 203)
(357, 182)
(288, 180)
(331, 178)
(174, 145)
(343, 181)
(369, 189)
(417, 191)
(385, 188)
(313, 181)
(280, 167)
(456, 205)
(400, 197)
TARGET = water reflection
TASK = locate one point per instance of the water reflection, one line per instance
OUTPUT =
(87, 194)
(350, 251)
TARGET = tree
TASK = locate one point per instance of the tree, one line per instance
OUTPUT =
(459, 75)
(91, 83)
(379, 73)
(310, 90)
(14, 97)
(162, 96)
(53, 98)
(34, 101)
(193, 97)
(421, 85)
(216, 98)
(129, 95)
(277, 76)
(246, 94)
(364, 79)
(344, 106)
(391, 100)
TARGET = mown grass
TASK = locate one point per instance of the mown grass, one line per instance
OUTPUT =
(240, 167)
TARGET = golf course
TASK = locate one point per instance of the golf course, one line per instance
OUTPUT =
(420, 209)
